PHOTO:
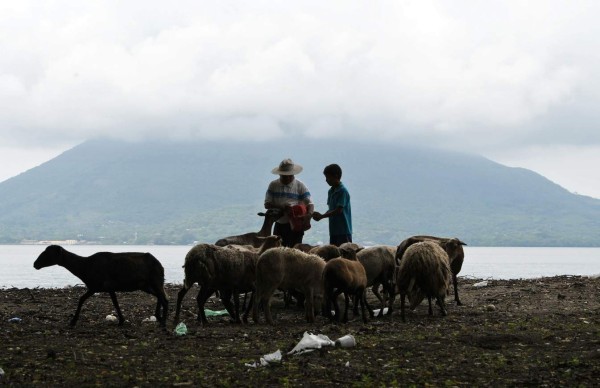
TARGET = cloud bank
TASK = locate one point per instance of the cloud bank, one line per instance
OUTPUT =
(462, 74)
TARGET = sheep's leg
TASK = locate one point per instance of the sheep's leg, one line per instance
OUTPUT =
(346, 303)
(226, 300)
(263, 298)
(375, 290)
(369, 308)
(402, 302)
(391, 296)
(362, 298)
(328, 300)
(236, 307)
(201, 299)
(383, 303)
(354, 305)
(454, 282)
(180, 296)
(266, 303)
(244, 302)
(257, 301)
(255, 306)
(113, 296)
(161, 301)
(82, 299)
(336, 307)
(442, 304)
(382, 299)
(248, 307)
(309, 308)
(430, 308)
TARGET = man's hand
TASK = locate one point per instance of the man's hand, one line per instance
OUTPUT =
(317, 216)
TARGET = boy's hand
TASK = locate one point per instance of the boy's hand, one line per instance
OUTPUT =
(317, 216)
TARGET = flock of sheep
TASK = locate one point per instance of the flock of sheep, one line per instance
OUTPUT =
(420, 267)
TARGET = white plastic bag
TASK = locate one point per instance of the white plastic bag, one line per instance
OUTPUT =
(310, 342)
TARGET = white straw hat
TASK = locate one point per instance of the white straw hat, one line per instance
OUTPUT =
(287, 167)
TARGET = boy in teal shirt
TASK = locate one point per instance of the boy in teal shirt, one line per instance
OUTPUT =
(338, 202)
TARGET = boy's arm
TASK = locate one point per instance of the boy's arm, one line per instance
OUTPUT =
(318, 216)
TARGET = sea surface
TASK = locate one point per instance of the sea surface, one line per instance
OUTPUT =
(16, 263)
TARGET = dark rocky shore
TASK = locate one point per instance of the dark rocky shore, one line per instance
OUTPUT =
(541, 332)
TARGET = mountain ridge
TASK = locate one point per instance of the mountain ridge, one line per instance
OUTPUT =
(156, 192)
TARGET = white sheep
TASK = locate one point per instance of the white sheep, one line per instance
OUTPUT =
(288, 269)
(424, 268)
(456, 254)
(380, 268)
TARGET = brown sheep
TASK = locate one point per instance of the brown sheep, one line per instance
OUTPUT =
(304, 247)
(347, 276)
(253, 238)
(327, 252)
(288, 269)
(424, 268)
(230, 271)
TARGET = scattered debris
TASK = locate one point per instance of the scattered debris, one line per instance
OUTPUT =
(481, 284)
(310, 342)
(376, 312)
(346, 341)
(215, 313)
(180, 329)
(267, 359)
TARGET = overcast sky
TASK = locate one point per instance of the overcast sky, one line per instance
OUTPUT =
(515, 81)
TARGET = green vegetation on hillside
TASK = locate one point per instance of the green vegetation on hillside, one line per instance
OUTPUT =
(179, 193)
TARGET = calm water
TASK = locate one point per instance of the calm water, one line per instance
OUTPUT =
(16, 263)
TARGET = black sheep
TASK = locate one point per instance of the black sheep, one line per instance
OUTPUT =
(111, 272)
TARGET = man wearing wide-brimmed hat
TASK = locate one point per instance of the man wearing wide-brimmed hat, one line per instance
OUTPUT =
(283, 193)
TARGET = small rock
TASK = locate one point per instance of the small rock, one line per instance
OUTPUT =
(490, 307)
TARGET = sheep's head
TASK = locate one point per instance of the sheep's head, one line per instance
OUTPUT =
(453, 248)
(404, 246)
(348, 253)
(49, 257)
(269, 242)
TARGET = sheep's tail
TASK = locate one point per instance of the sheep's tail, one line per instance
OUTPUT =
(194, 269)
